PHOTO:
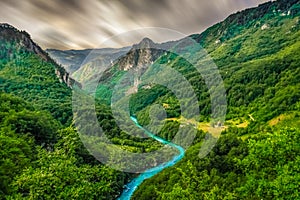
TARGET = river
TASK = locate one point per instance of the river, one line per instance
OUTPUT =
(132, 186)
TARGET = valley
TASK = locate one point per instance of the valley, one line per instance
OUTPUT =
(217, 112)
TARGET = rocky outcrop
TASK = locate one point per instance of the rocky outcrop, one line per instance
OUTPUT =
(141, 55)
(22, 40)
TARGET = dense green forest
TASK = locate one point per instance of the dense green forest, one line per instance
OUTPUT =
(42, 156)
(256, 157)
(257, 53)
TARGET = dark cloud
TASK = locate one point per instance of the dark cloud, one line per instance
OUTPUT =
(75, 24)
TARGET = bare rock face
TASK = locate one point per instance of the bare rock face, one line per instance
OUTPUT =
(265, 26)
(22, 40)
(141, 55)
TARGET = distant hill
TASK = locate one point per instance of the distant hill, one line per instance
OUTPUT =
(71, 60)
(81, 63)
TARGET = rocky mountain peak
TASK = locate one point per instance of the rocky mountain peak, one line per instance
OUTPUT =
(141, 55)
(22, 39)
(145, 43)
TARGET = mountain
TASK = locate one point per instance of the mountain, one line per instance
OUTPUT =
(85, 66)
(137, 57)
(11, 34)
(82, 64)
(255, 157)
(71, 60)
(143, 54)
(257, 54)
(40, 148)
(96, 62)
(22, 41)
(246, 47)
(27, 71)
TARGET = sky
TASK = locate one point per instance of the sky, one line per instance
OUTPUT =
(80, 24)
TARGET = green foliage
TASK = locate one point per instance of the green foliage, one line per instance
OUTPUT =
(272, 166)
(257, 52)
(28, 76)
(16, 154)
(64, 169)
(55, 175)
(19, 117)
(262, 167)
(41, 125)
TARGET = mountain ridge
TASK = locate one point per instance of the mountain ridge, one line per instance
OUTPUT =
(23, 40)
(256, 156)
(240, 49)
(245, 17)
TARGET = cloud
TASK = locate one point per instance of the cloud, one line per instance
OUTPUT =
(75, 24)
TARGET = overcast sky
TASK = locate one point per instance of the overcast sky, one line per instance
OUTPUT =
(78, 24)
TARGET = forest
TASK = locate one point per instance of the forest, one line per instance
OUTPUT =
(256, 157)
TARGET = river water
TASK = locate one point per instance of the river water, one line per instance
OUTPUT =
(132, 186)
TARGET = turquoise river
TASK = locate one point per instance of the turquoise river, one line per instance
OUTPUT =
(132, 186)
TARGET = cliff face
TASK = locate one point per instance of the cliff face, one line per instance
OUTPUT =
(141, 55)
(20, 39)
(14, 42)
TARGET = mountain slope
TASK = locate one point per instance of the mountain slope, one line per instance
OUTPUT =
(257, 53)
(40, 150)
(71, 60)
(27, 71)
(255, 50)
(257, 156)
(97, 61)
(84, 64)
